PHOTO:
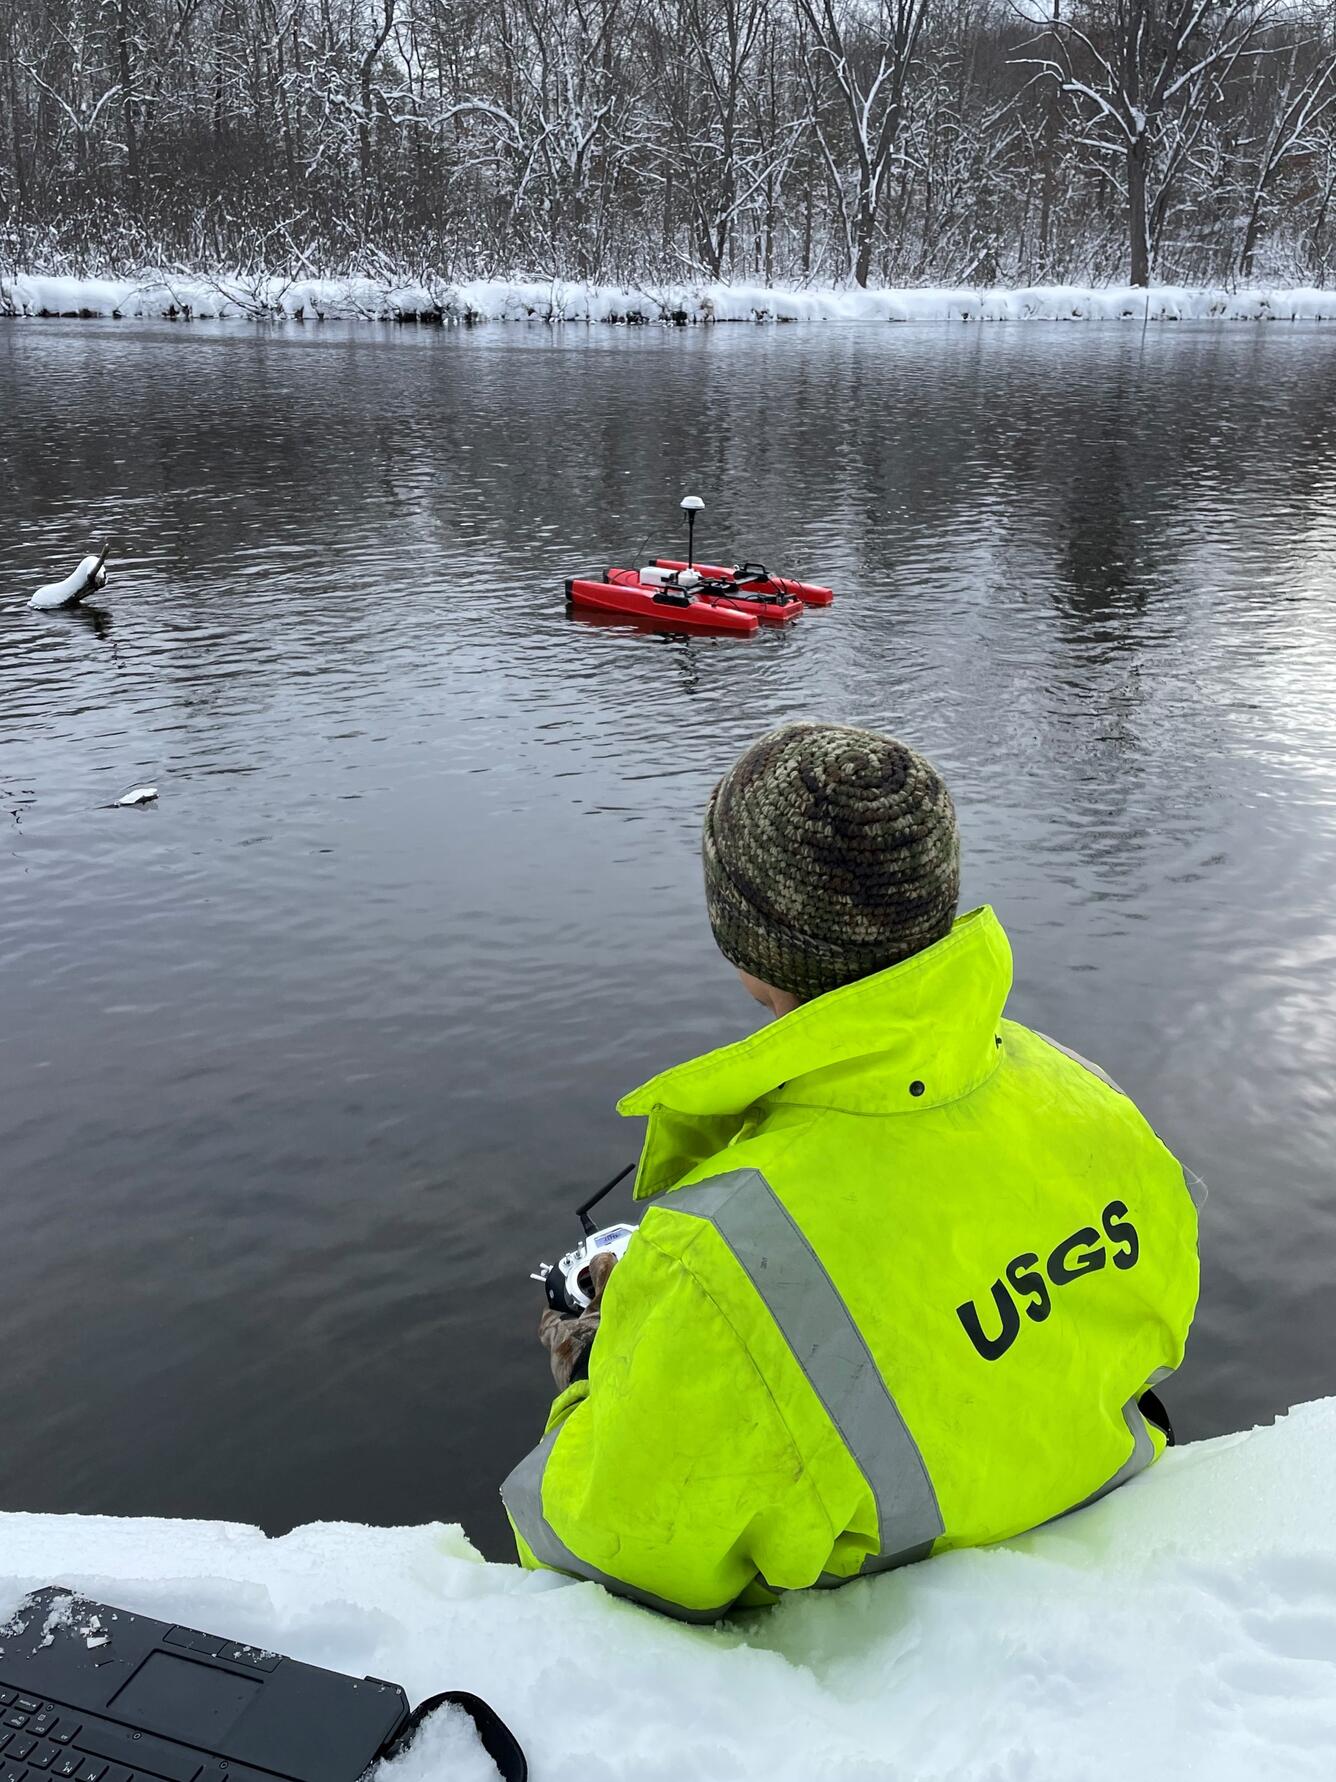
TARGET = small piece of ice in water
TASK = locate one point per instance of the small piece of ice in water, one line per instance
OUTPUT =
(139, 795)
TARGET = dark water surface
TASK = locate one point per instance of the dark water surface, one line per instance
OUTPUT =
(301, 1070)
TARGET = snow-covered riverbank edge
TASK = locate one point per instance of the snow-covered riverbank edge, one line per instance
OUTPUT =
(1185, 1626)
(301, 299)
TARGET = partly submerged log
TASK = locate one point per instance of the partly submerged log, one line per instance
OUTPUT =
(87, 579)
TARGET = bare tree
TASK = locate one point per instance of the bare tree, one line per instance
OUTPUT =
(1292, 132)
(1143, 75)
(867, 58)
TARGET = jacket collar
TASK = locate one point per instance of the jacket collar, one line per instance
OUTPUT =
(913, 1037)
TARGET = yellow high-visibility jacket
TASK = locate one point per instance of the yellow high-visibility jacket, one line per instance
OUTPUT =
(906, 1269)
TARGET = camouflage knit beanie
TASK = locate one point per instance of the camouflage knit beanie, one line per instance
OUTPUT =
(830, 853)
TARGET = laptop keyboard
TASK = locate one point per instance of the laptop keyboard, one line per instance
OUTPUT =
(39, 1739)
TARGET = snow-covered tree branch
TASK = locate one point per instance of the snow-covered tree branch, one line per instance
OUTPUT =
(871, 140)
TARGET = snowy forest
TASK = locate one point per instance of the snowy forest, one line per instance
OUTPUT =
(801, 141)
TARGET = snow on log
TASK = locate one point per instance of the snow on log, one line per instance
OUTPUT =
(87, 578)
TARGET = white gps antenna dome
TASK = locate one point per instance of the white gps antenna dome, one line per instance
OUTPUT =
(691, 506)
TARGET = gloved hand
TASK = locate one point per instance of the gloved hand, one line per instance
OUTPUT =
(569, 1340)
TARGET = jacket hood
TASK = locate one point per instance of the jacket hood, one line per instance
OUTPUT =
(912, 1037)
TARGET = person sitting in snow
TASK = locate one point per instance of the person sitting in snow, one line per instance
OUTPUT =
(907, 1269)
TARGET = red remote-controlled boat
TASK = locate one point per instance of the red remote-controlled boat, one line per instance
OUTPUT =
(690, 596)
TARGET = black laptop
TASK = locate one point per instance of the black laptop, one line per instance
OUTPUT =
(97, 1694)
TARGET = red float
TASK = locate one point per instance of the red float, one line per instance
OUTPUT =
(674, 610)
(770, 609)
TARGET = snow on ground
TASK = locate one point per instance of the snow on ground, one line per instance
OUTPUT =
(1184, 1627)
(307, 299)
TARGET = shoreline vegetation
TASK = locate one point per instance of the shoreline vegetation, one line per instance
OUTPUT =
(906, 143)
(275, 297)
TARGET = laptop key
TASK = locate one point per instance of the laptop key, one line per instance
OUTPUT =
(141, 1752)
(64, 1732)
(90, 1771)
(16, 1719)
(6, 1697)
(67, 1764)
(44, 1756)
(15, 1772)
(28, 1705)
(42, 1723)
(20, 1748)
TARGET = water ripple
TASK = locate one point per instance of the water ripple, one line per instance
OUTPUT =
(305, 1065)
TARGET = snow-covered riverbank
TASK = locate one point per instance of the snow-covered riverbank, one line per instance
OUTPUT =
(307, 299)
(1185, 1626)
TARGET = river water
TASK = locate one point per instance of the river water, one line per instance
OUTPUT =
(304, 1067)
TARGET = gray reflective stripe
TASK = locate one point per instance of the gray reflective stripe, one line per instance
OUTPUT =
(1143, 1452)
(522, 1494)
(834, 1581)
(911, 1556)
(1195, 1187)
(1078, 1058)
(828, 1346)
